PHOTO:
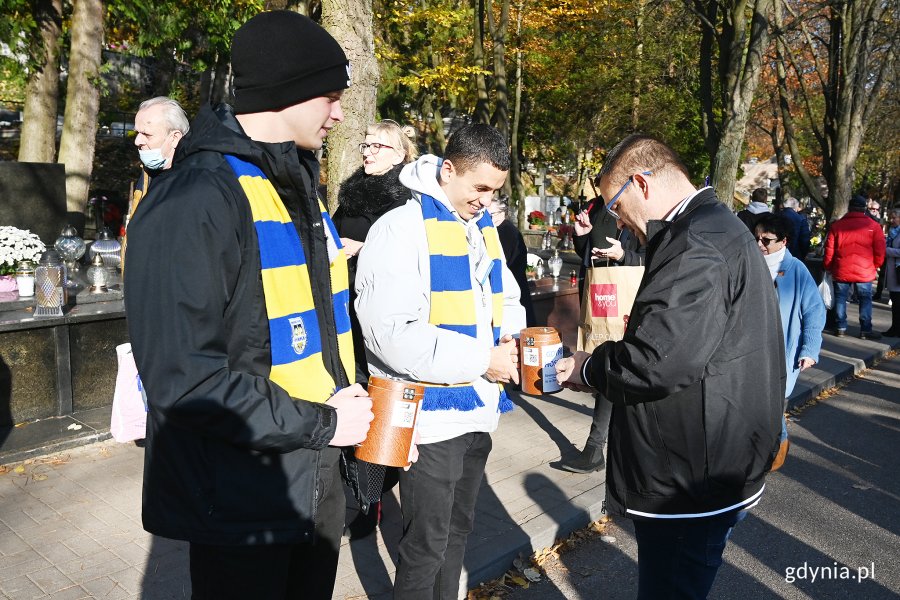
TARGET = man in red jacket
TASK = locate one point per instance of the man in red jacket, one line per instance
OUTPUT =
(854, 249)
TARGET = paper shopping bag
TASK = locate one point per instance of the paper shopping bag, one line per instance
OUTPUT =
(608, 297)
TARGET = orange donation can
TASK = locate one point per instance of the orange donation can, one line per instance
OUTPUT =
(396, 405)
(539, 349)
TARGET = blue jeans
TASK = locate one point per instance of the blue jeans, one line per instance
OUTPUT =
(864, 293)
(679, 558)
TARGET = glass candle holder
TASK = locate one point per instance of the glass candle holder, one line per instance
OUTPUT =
(555, 264)
(50, 286)
(98, 276)
(108, 248)
(70, 248)
(25, 278)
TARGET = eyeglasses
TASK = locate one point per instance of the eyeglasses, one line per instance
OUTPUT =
(610, 204)
(765, 241)
(374, 147)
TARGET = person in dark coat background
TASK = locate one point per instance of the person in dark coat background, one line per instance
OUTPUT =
(757, 208)
(515, 251)
(598, 241)
(370, 192)
(798, 241)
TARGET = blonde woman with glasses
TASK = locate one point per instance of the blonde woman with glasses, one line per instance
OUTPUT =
(370, 192)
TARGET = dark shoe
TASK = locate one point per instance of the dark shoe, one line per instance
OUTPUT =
(837, 332)
(869, 335)
(364, 524)
(590, 459)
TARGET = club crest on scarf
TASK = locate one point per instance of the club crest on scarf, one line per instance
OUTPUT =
(298, 335)
(296, 340)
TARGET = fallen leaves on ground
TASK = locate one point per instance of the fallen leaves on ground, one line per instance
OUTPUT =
(530, 570)
(35, 468)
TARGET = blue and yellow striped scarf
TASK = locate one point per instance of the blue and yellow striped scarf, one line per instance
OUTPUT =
(452, 297)
(296, 341)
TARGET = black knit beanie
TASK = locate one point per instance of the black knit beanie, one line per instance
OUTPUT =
(281, 58)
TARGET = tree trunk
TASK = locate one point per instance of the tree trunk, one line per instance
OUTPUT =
(518, 195)
(639, 62)
(436, 141)
(787, 120)
(221, 89)
(38, 141)
(482, 109)
(708, 123)
(79, 135)
(499, 31)
(740, 64)
(860, 58)
(350, 22)
(500, 120)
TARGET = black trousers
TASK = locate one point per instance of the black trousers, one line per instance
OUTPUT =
(437, 499)
(276, 571)
(600, 423)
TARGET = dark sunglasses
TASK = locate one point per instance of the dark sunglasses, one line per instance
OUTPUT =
(765, 241)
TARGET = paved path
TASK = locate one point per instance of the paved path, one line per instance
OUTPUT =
(828, 526)
(70, 522)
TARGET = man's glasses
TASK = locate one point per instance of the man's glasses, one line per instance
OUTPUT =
(612, 202)
(374, 147)
(765, 241)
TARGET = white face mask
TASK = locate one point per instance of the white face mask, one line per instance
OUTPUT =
(153, 159)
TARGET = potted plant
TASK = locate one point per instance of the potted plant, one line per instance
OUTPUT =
(536, 220)
(16, 245)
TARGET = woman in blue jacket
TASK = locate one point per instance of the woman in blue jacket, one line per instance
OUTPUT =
(801, 307)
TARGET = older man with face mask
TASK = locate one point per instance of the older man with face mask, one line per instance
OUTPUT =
(160, 123)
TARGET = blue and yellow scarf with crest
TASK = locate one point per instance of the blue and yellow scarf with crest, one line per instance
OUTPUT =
(452, 297)
(296, 341)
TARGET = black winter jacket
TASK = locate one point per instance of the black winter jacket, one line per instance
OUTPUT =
(362, 199)
(231, 458)
(697, 382)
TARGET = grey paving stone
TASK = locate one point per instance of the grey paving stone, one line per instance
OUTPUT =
(56, 554)
(8, 562)
(106, 588)
(83, 545)
(71, 593)
(20, 588)
(34, 562)
(10, 544)
(90, 567)
(50, 580)
(129, 579)
(133, 555)
(17, 520)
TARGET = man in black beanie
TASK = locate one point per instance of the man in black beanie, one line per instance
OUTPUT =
(237, 314)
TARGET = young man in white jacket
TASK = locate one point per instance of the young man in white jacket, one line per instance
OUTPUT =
(438, 305)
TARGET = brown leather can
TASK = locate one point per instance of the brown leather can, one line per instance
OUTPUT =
(539, 349)
(395, 404)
